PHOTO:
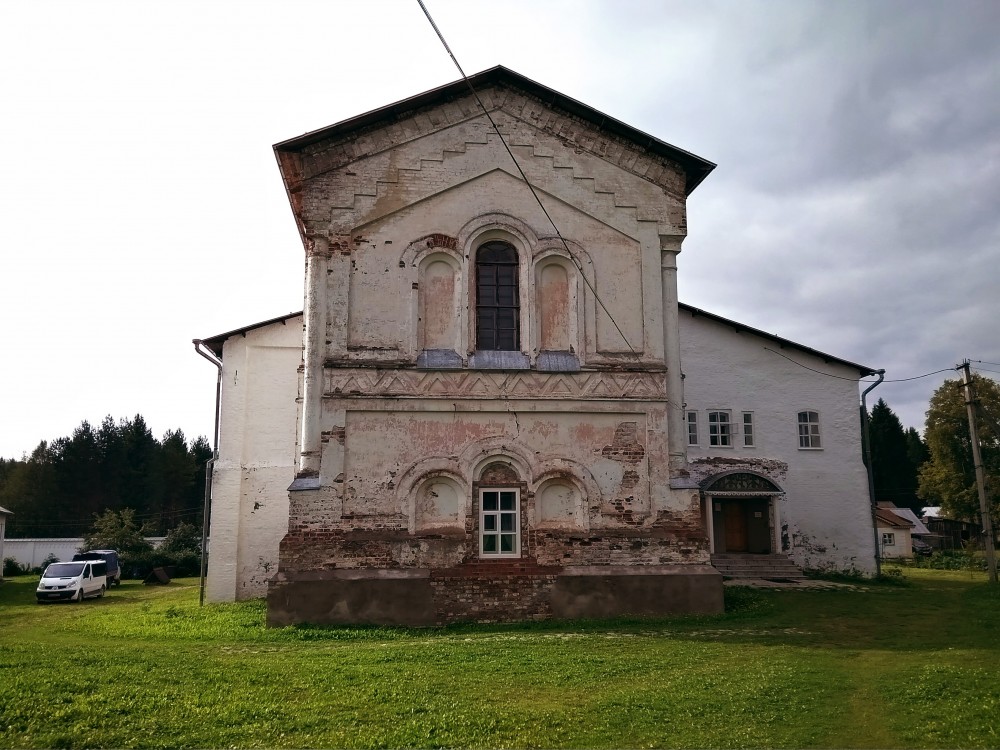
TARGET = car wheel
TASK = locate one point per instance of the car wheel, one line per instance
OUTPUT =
(79, 595)
(103, 588)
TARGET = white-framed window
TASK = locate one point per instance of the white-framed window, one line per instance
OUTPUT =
(692, 423)
(809, 430)
(888, 539)
(748, 436)
(720, 429)
(499, 523)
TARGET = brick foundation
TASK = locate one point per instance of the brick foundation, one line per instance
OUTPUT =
(490, 592)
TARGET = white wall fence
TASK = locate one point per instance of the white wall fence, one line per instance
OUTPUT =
(32, 552)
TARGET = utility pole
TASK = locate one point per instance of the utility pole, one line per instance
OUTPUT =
(984, 508)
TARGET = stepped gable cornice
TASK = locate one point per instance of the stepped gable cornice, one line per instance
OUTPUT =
(499, 88)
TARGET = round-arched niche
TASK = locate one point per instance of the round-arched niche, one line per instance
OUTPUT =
(560, 505)
(439, 504)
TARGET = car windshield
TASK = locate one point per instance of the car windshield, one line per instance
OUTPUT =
(63, 570)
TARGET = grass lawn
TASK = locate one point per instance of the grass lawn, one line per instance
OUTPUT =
(882, 666)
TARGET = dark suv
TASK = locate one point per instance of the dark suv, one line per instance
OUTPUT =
(920, 547)
(109, 556)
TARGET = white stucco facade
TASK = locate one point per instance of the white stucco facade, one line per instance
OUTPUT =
(822, 518)
(256, 456)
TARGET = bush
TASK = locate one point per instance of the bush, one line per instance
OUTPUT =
(952, 559)
(184, 537)
(12, 567)
(185, 563)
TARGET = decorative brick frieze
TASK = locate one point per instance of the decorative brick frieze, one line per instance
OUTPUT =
(362, 382)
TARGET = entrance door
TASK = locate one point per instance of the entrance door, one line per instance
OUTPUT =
(742, 525)
(735, 526)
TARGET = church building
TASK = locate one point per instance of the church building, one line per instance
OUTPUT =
(492, 405)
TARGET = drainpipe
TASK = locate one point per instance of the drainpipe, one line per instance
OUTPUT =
(209, 465)
(867, 438)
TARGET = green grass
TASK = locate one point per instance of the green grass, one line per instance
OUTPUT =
(914, 665)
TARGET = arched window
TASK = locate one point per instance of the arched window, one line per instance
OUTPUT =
(498, 308)
(809, 430)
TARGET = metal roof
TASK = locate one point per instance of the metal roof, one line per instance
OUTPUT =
(696, 168)
(909, 515)
(890, 517)
(784, 343)
(215, 343)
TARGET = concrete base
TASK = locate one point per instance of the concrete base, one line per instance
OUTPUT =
(597, 592)
(420, 597)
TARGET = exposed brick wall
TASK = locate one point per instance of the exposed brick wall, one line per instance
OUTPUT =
(493, 591)
(313, 550)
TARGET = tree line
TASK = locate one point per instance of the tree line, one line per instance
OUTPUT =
(64, 485)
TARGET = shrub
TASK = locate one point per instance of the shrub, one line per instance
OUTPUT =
(184, 537)
(12, 567)
(178, 564)
(952, 559)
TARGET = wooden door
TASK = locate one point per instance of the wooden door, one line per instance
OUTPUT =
(758, 516)
(735, 521)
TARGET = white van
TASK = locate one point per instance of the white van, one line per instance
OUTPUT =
(73, 581)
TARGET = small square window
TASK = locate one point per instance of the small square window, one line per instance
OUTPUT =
(719, 429)
(888, 539)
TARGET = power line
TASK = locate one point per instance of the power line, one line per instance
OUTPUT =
(811, 369)
(856, 380)
(524, 177)
(917, 377)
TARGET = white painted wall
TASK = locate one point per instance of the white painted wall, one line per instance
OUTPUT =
(902, 541)
(825, 513)
(32, 552)
(257, 449)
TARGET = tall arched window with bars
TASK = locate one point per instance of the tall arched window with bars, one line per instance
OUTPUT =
(498, 308)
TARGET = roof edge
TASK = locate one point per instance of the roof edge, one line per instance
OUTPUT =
(696, 168)
(215, 343)
(864, 370)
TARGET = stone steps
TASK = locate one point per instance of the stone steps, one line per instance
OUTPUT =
(757, 566)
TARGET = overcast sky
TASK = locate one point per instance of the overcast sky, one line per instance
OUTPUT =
(855, 208)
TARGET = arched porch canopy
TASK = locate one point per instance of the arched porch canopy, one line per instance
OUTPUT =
(740, 484)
